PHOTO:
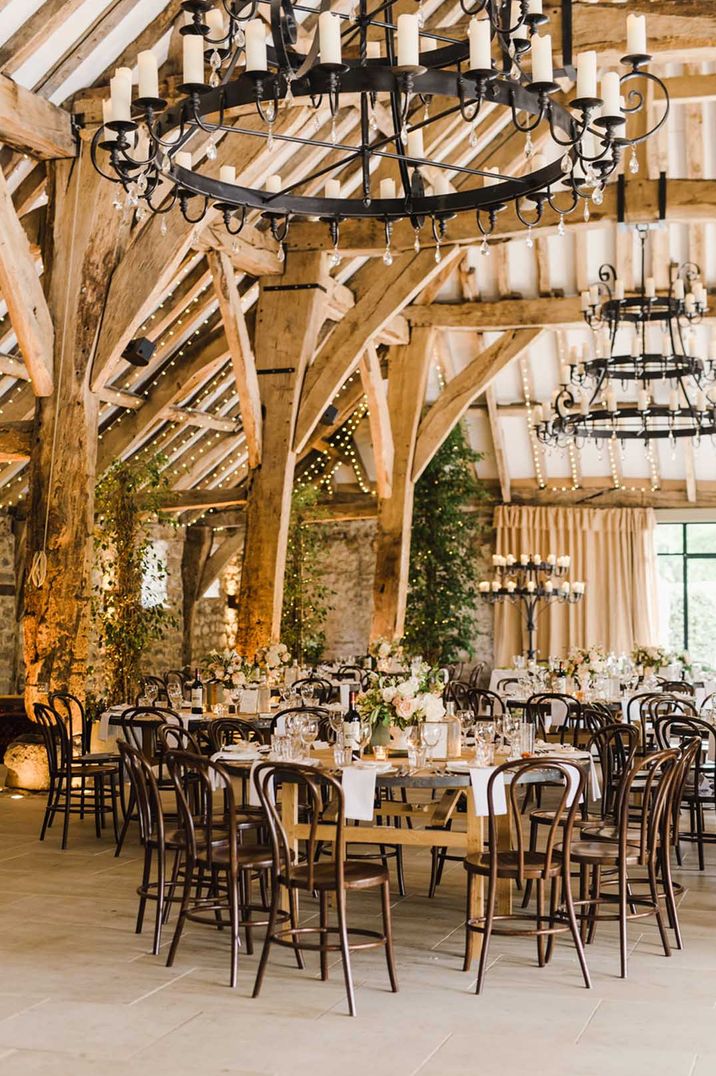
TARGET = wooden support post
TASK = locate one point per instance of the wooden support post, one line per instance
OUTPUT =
(85, 239)
(407, 378)
(197, 547)
(379, 419)
(289, 315)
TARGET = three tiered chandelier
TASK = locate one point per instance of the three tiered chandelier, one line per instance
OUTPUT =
(645, 341)
(414, 78)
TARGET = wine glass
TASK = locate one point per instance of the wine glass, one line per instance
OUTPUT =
(235, 692)
(308, 732)
(365, 732)
(150, 693)
(335, 720)
(467, 724)
(175, 696)
(308, 694)
(430, 732)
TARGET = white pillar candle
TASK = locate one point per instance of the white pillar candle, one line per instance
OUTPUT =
(650, 287)
(584, 301)
(619, 289)
(509, 560)
(524, 558)
(333, 188)
(510, 585)
(611, 399)
(373, 51)
(636, 35)
(542, 58)
(689, 303)
(329, 38)
(408, 41)
(674, 400)
(109, 136)
(537, 558)
(552, 559)
(496, 584)
(124, 72)
(273, 183)
(594, 295)
(387, 188)
(700, 400)
(578, 588)
(534, 7)
(480, 44)
(538, 415)
(227, 173)
(516, 25)
(642, 402)
(415, 144)
(679, 289)
(256, 58)
(182, 159)
(584, 404)
(565, 587)
(531, 586)
(566, 560)
(193, 59)
(442, 186)
(699, 293)
(483, 586)
(495, 559)
(148, 74)
(548, 586)
(120, 99)
(587, 74)
(565, 374)
(611, 94)
(214, 19)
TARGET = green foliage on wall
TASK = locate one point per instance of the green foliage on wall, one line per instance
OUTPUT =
(442, 595)
(128, 501)
(305, 596)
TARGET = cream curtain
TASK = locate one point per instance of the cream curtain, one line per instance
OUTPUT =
(612, 550)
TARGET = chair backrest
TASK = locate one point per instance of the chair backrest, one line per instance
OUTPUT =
(667, 704)
(507, 684)
(150, 811)
(486, 705)
(708, 702)
(459, 692)
(615, 746)
(153, 681)
(595, 717)
(552, 711)
(177, 738)
(350, 672)
(476, 674)
(176, 676)
(321, 715)
(644, 803)
(322, 688)
(74, 715)
(139, 724)
(223, 730)
(315, 788)
(56, 738)
(206, 821)
(515, 774)
(674, 730)
(677, 687)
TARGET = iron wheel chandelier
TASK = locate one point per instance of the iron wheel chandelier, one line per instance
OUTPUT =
(644, 340)
(370, 58)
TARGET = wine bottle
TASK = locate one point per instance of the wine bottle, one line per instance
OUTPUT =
(351, 726)
(197, 695)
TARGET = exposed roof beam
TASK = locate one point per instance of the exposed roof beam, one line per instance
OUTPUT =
(379, 419)
(183, 500)
(458, 394)
(32, 125)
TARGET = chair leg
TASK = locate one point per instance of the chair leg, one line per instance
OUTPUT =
(161, 897)
(539, 919)
(533, 848)
(125, 824)
(700, 834)
(171, 891)
(399, 870)
(553, 906)
(233, 882)
(654, 891)
(489, 917)
(67, 797)
(48, 808)
(181, 919)
(293, 912)
(345, 950)
(671, 907)
(324, 933)
(574, 927)
(273, 916)
(146, 874)
(469, 934)
(98, 790)
(623, 919)
(388, 932)
(594, 909)
(114, 794)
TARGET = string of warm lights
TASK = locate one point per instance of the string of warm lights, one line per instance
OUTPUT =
(530, 426)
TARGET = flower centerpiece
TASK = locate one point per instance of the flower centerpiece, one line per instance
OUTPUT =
(684, 660)
(271, 660)
(226, 666)
(584, 663)
(389, 705)
(649, 659)
(388, 654)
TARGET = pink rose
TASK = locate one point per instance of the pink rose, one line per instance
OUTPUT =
(403, 707)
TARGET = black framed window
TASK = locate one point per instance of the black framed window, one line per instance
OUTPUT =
(686, 557)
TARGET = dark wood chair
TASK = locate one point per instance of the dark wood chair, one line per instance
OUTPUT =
(548, 867)
(217, 865)
(677, 687)
(486, 705)
(337, 877)
(699, 790)
(98, 779)
(322, 688)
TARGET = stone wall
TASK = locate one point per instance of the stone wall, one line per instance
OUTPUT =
(8, 626)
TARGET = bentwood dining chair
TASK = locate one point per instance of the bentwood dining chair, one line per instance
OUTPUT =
(508, 858)
(317, 687)
(699, 790)
(629, 852)
(218, 866)
(486, 705)
(336, 878)
(77, 783)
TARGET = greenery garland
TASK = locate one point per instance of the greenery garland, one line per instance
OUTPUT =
(442, 595)
(305, 595)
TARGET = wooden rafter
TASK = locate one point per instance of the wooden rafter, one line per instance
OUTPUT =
(379, 419)
(32, 125)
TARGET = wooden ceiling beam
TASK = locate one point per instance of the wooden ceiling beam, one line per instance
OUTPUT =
(376, 392)
(458, 394)
(32, 125)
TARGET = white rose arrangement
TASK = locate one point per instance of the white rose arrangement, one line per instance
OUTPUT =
(226, 666)
(411, 701)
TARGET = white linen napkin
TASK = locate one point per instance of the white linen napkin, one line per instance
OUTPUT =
(104, 724)
(280, 726)
(558, 713)
(359, 792)
(254, 799)
(479, 779)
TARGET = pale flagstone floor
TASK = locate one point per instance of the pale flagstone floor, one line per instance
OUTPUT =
(80, 993)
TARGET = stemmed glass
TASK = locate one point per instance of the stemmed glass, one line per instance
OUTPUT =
(467, 725)
(175, 697)
(430, 735)
(308, 732)
(150, 693)
(335, 720)
(366, 731)
(235, 692)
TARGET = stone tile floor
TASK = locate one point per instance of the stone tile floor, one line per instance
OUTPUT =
(80, 993)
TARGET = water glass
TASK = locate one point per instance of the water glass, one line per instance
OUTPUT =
(484, 754)
(417, 755)
(527, 739)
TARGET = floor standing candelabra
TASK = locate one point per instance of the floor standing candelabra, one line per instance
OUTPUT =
(532, 583)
